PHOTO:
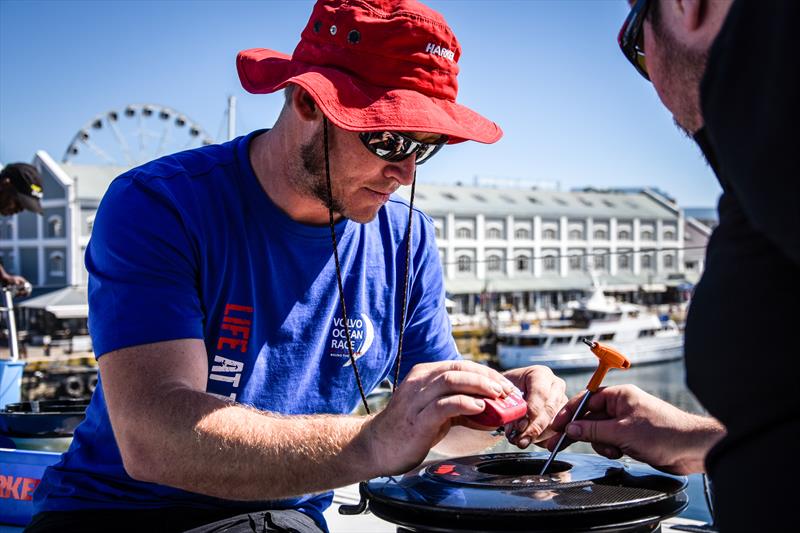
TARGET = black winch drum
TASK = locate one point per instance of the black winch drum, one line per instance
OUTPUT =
(39, 419)
(503, 492)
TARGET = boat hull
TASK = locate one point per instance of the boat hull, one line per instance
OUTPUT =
(576, 359)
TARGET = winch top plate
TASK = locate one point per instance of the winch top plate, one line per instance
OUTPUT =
(503, 492)
(516, 470)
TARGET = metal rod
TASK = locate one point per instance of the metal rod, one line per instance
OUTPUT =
(121, 140)
(231, 117)
(560, 442)
(12, 324)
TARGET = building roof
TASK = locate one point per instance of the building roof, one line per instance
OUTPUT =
(92, 180)
(618, 283)
(437, 200)
(702, 213)
(69, 302)
(699, 225)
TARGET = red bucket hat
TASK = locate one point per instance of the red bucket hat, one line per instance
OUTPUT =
(374, 65)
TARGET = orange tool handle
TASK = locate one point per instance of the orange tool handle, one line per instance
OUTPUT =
(609, 358)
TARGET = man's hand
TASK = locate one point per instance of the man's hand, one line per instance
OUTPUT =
(16, 281)
(432, 398)
(544, 393)
(626, 420)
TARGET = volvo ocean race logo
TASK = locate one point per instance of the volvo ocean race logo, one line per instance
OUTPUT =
(362, 334)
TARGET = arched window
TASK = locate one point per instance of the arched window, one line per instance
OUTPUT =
(55, 226)
(464, 233)
(437, 231)
(623, 261)
(550, 234)
(464, 263)
(599, 261)
(647, 261)
(575, 262)
(550, 263)
(669, 235)
(647, 235)
(56, 263)
(669, 261)
(90, 224)
(600, 234)
(523, 263)
(624, 235)
(493, 263)
(494, 233)
(576, 235)
(522, 234)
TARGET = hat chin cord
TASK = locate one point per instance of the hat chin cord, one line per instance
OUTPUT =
(339, 273)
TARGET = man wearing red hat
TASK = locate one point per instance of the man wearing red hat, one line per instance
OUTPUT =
(245, 297)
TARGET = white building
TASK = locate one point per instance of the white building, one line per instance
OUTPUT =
(531, 249)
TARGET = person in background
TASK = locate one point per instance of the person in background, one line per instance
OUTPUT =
(729, 74)
(20, 189)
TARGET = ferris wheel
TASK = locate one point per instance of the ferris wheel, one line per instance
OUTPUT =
(134, 135)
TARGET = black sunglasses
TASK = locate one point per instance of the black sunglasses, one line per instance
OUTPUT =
(395, 146)
(631, 37)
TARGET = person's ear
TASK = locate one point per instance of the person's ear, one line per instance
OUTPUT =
(304, 105)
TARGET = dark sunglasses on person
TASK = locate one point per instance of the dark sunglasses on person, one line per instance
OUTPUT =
(631, 37)
(395, 146)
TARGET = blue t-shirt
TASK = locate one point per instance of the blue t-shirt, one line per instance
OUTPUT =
(190, 246)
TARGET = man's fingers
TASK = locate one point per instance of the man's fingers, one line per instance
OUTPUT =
(544, 394)
(597, 405)
(538, 428)
(471, 366)
(596, 431)
(563, 417)
(611, 452)
(460, 382)
(551, 442)
(427, 372)
(427, 387)
(439, 411)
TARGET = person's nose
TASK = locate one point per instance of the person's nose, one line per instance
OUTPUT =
(402, 171)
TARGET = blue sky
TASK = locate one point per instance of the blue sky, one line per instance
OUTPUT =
(549, 72)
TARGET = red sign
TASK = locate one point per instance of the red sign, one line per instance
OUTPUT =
(17, 488)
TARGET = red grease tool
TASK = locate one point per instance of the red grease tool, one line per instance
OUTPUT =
(609, 358)
(501, 411)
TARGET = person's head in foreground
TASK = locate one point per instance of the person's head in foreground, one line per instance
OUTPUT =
(668, 42)
(371, 93)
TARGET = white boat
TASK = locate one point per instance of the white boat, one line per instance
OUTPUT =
(629, 328)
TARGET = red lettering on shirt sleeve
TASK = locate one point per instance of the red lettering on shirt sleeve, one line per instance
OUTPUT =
(240, 344)
(234, 320)
(237, 331)
(233, 307)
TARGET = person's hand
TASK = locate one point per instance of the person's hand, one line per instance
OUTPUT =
(19, 282)
(432, 398)
(626, 420)
(544, 393)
